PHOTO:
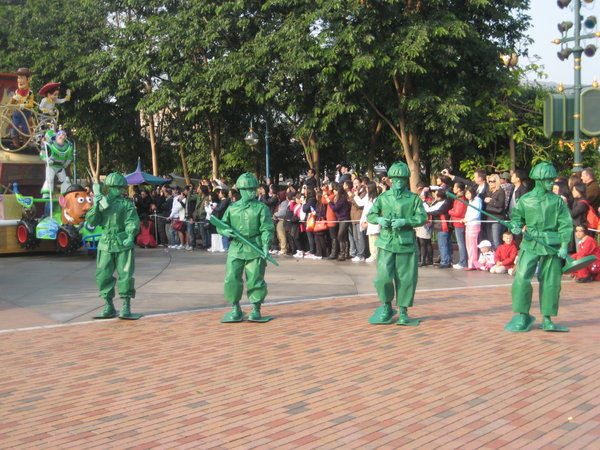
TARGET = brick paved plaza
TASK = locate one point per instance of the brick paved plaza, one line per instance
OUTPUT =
(318, 376)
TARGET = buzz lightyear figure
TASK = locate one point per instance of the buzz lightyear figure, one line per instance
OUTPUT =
(57, 151)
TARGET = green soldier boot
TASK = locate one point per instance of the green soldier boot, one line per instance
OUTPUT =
(548, 325)
(256, 316)
(235, 315)
(405, 320)
(383, 315)
(520, 323)
(126, 311)
(109, 310)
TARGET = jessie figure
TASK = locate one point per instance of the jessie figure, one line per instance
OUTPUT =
(48, 104)
(75, 204)
(23, 98)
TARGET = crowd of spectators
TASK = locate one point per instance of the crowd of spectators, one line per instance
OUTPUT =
(326, 219)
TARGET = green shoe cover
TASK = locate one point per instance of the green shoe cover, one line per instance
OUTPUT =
(256, 316)
(383, 315)
(126, 311)
(548, 325)
(109, 311)
(520, 323)
(235, 315)
(404, 320)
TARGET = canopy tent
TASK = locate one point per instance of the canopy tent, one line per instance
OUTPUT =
(140, 177)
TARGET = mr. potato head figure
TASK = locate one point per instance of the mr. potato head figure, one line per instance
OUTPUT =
(75, 204)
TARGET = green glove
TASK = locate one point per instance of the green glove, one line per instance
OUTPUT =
(384, 222)
(227, 233)
(515, 230)
(563, 252)
(128, 242)
(398, 223)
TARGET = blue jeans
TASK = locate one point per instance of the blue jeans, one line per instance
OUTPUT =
(445, 247)
(204, 232)
(462, 247)
(191, 232)
(225, 241)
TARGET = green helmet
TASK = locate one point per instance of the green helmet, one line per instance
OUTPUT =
(399, 170)
(543, 171)
(115, 180)
(246, 181)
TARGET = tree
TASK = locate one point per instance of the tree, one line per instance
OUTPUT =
(421, 65)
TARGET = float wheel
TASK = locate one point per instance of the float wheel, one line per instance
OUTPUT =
(26, 234)
(68, 239)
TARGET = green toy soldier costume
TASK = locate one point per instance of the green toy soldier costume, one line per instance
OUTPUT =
(398, 211)
(252, 219)
(120, 224)
(547, 221)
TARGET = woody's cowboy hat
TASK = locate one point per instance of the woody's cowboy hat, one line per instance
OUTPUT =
(24, 71)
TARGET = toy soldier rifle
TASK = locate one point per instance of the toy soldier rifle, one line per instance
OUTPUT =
(223, 226)
(572, 265)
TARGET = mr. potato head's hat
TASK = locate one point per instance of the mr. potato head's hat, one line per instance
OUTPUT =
(48, 88)
(75, 188)
(24, 71)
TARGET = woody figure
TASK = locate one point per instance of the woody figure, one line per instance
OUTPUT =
(23, 98)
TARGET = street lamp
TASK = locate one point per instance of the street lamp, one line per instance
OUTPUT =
(577, 50)
(252, 139)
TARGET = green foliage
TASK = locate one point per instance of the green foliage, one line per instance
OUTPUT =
(320, 71)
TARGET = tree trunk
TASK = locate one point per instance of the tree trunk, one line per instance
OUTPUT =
(94, 166)
(153, 145)
(186, 174)
(215, 146)
(311, 153)
(377, 126)
(511, 148)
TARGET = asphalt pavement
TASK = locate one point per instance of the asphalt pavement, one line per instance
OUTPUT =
(51, 288)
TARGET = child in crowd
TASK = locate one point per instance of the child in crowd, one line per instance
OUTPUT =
(424, 231)
(472, 221)
(587, 246)
(292, 223)
(486, 256)
(372, 229)
(505, 255)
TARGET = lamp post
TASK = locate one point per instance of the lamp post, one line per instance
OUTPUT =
(252, 139)
(577, 50)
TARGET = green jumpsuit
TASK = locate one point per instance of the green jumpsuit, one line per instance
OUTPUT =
(253, 220)
(119, 223)
(547, 219)
(397, 255)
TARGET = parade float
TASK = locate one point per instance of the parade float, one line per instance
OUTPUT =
(33, 152)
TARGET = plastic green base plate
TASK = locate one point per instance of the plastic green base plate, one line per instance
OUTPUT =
(515, 328)
(132, 316)
(228, 318)
(105, 317)
(262, 319)
(407, 322)
(376, 317)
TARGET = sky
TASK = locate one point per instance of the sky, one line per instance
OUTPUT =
(545, 17)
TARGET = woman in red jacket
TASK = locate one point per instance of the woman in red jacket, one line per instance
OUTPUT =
(457, 214)
(587, 246)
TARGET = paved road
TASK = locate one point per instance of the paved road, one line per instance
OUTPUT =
(318, 376)
(52, 288)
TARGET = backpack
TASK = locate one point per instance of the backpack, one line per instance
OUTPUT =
(591, 218)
